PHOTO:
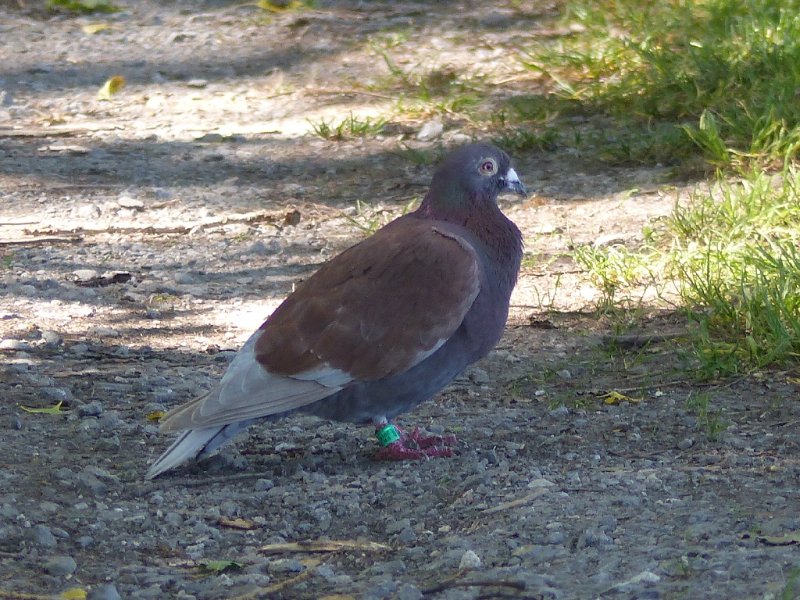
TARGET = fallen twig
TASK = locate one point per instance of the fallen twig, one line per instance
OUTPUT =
(47, 239)
(323, 546)
(277, 219)
(517, 502)
(453, 582)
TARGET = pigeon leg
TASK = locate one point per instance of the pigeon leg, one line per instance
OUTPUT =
(401, 445)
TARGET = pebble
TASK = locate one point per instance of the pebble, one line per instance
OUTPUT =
(430, 130)
(408, 591)
(51, 338)
(479, 376)
(42, 536)
(79, 348)
(469, 561)
(184, 277)
(130, 202)
(85, 274)
(60, 566)
(92, 409)
(393, 527)
(89, 211)
(10, 344)
(263, 485)
(284, 566)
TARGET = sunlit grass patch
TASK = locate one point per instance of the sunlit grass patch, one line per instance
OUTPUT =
(348, 128)
(722, 75)
(732, 255)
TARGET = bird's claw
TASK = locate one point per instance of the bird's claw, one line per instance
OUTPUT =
(417, 446)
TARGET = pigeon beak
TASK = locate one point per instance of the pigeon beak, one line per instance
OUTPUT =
(513, 184)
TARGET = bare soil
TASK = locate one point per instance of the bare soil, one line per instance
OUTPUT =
(145, 236)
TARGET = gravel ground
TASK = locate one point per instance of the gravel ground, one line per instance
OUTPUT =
(144, 238)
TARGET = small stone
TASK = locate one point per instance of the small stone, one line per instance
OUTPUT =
(430, 130)
(408, 591)
(559, 411)
(393, 527)
(9, 344)
(564, 374)
(540, 483)
(51, 338)
(85, 274)
(131, 203)
(324, 571)
(685, 443)
(92, 409)
(284, 566)
(211, 138)
(184, 277)
(43, 537)
(79, 349)
(49, 507)
(479, 376)
(469, 561)
(556, 538)
(407, 536)
(263, 485)
(197, 83)
(89, 211)
(105, 591)
(60, 566)
(174, 519)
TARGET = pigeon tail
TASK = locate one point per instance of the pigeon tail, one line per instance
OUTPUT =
(194, 444)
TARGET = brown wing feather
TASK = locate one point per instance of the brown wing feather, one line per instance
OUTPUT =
(377, 308)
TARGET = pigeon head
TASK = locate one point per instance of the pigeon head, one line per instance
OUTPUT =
(477, 172)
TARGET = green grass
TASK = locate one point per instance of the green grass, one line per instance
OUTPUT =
(704, 83)
(82, 6)
(369, 218)
(732, 255)
(709, 420)
(719, 76)
(424, 90)
(348, 128)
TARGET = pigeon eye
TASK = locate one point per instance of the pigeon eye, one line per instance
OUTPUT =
(488, 167)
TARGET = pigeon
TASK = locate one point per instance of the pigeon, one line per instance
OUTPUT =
(380, 328)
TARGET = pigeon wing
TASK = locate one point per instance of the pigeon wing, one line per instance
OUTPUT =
(374, 311)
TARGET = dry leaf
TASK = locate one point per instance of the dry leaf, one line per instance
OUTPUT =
(51, 410)
(614, 397)
(75, 593)
(239, 523)
(155, 415)
(111, 87)
(92, 28)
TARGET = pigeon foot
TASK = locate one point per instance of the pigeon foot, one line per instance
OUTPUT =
(417, 446)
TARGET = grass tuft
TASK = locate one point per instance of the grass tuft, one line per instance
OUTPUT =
(733, 256)
(721, 75)
(350, 127)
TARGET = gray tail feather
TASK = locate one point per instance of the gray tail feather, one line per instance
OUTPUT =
(193, 444)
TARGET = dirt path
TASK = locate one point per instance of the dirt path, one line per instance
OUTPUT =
(144, 237)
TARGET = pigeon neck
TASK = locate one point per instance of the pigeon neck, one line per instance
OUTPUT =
(500, 238)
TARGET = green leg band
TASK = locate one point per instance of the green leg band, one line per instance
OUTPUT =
(387, 434)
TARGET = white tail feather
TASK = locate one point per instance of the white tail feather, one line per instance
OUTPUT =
(192, 444)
